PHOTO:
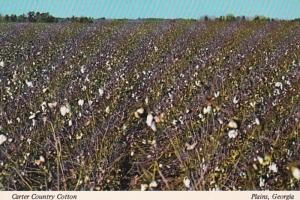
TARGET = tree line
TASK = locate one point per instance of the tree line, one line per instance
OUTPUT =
(42, 17)
(48, 18)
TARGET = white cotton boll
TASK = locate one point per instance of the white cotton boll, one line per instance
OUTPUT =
(174, 122)
(1, 64)
(82, 69)
(64, 109)
(149, 119)
(29, 83)
(187, 182)
(260, 160)
(217, 94)
(42, 159)
(144, 187)
(84, 88)
(257, 122)
(235, 100)
(200, 116)
(279, 85)
(52, 105)
(252, 104)
(190, 147)
(70, 122)
(43, 105)
(3, 139)
(80, 102)
(150, 122)
(296, 172)
(261, 182)
(32, 116)
(155, 48)
(101, 92)
(232, 134)
(107, 109)
(45, 90)
(146, 100)
(207, 110)
(153, 126)
(232, 124)
(273, 168)
(138, 112)
(153, 184)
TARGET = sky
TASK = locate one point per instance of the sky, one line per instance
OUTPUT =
(282, 9)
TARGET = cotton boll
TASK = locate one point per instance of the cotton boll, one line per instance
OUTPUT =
(232, 124)
(207, 110)
(149, 119)
(232, 134)
(273, 168)
(153, 184)
(52, 105)
(279, 85)
(144, 187)
(235, 100)
(101, 92)
(257, 122)
(187, 182)
(150, 122)
(3, 139)
(80, 102)
(65, 109)
(29, 83)
(296, 172)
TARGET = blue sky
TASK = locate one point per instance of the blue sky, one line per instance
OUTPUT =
(284, 9)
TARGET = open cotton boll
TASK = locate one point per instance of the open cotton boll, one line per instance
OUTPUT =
(3, 139)
(296, 172)
(235, 100)
(32, 116)
(101, 92)
(1, 63)
(207, 110)
(144, 187)
(232, 124)
(65, 109)
(80, 102)
(150, 122)
(232, 134)
(149, 119)
(52, 105)
(29, 83)
(82, 69)
(187, 182)
(153, 184)
(279, 85)
(139, 112)
(190, 146)
(273, 168)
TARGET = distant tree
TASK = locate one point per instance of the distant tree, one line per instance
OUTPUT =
(31, 16)
(230, 17)
(13, 18)
(22, 18)
(261, 18)
(6, 18)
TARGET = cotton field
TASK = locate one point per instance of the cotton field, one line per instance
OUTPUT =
(150, 105)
